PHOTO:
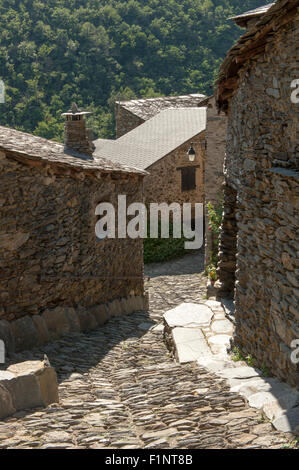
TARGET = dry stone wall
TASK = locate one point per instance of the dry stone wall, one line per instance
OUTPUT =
(261, 163)
(55, 276)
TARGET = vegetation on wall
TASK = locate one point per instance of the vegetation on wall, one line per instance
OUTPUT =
(214, 212)
(53, 52)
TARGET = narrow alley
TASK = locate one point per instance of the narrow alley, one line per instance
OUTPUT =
(119, 386)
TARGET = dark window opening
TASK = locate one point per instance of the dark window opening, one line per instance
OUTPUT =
(188, 178)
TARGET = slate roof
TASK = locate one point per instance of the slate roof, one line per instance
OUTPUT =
(102, 142)
(155, 138)
(253, 13)
(21, 145)
(148, 108)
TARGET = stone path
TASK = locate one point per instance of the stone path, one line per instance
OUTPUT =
(202, 332)
(120, 387)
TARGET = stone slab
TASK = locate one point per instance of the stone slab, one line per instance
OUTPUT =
(258, 400)
(242, 372)
(5, 375)
(288, 422)
(188, 315)
(222, 326)
(26, 368)
(283, 403)
(214, 304)
(214, 365)
(158, 328)
(27, 385)
(223, 340)
(261, 384)
(190, 344)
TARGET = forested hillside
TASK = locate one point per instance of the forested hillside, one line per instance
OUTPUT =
(53, 52)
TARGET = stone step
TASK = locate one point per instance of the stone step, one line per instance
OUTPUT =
(190, 344)
(188, 315)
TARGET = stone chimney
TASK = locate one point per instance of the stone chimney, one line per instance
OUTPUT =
(77, 136)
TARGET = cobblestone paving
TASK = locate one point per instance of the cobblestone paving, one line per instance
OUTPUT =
(120, 388)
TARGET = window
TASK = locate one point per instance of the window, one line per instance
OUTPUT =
(188, 178)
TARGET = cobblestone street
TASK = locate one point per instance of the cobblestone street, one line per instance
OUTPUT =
(119, 386)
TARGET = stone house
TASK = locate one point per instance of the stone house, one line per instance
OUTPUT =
(259, 241)
(55, 276)
(134, 113)
(160, 146)
(130, 114)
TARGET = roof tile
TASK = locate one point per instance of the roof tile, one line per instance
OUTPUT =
(148, 108)
(37, 148)
(155, 138)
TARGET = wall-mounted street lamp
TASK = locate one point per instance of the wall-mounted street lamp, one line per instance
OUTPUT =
(191, 153)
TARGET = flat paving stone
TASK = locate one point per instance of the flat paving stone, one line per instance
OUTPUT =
(282, 403)
(258, 400)
(188, 315)
(159, 328)
(214, 304)
(262, 384)
(222, 326)
(190, 344)
(288, 422)
(214, 365)
(240, 373)
(221, 340)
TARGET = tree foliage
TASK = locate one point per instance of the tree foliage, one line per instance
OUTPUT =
(53, 52)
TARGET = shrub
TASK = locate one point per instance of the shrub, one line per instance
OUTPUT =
(163, 249)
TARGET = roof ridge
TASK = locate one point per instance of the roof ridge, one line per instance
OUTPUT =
(258, 11)
(24, 146)
(160, 98)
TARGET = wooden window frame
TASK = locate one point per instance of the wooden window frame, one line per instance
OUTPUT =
(189, 183)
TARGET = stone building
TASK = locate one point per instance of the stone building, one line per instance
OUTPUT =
(160, 146)
(55, 275)
(164, 181)
(132, 113)
(259, 241)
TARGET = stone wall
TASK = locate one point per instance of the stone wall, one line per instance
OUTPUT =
(260, 166)
(50, 258)
(164, 182)
(125, 120)
(226, 267)
(216, 143)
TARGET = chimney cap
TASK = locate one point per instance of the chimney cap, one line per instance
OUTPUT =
(75, 111)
